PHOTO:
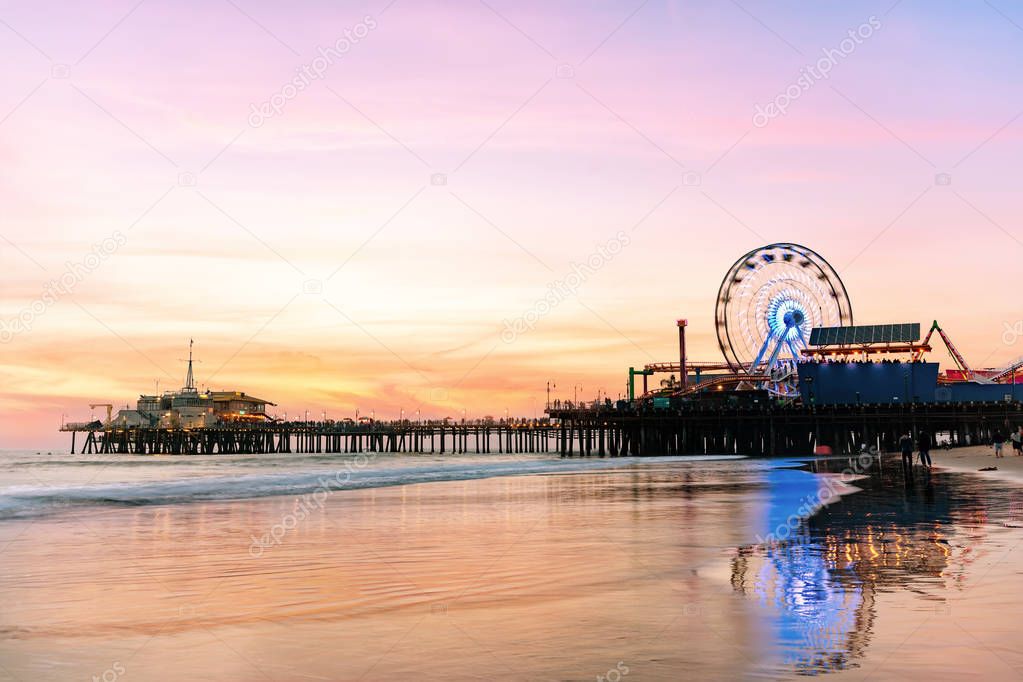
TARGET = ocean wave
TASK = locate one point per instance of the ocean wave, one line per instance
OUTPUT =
(352, 473)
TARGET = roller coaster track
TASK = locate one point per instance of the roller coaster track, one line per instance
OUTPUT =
(675, 367)
(722, 382)
(1009, 372)
(714, 383)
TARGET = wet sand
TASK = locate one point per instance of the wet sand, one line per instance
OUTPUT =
(538, 577)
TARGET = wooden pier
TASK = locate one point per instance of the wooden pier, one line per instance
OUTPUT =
(776, 430)
(692, 429)
(318, 437)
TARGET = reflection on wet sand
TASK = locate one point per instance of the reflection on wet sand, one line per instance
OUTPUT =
(911, 534)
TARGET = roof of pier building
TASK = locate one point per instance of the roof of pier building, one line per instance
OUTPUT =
(238, 396)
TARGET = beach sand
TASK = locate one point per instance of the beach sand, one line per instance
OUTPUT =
(977, 457)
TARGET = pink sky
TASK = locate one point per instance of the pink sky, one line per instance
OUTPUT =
(317, 264)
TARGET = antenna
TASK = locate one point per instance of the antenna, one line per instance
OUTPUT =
(190, 377)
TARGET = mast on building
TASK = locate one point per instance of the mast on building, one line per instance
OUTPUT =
(189, 377)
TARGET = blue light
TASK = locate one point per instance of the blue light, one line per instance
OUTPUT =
(781, 306)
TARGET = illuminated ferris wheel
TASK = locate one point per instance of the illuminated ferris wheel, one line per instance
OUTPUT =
(767, 304)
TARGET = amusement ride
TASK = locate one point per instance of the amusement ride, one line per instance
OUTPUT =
(769, 302)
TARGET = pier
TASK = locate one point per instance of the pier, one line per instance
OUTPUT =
(773, 429)
(692, 429)
(480, 437)
(797, 377)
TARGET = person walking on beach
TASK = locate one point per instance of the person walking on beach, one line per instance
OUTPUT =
(996, 442)
(923, 444)
(906, 445)
(1017, 441)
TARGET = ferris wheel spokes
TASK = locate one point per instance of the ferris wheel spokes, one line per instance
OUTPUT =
(767, 304)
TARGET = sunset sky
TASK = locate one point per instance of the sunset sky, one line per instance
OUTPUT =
(362, 245)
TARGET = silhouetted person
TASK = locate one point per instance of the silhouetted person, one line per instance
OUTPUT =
(906, 445)
(997, 439)
(923, 444)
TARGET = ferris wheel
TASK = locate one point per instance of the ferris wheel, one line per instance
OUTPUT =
(767, 304)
